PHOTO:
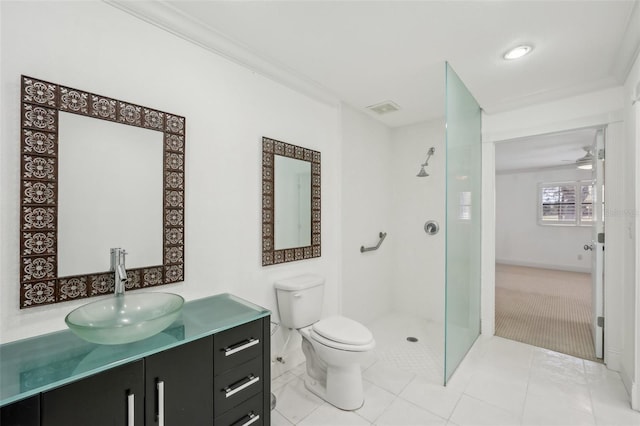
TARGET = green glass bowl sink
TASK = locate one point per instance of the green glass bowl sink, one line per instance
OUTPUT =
(125, 318)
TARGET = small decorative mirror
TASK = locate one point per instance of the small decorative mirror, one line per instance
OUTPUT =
(88, 185)
(290, 202)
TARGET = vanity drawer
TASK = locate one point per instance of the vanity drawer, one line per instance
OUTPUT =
(237, 346)
(237, 385)
(248, 413)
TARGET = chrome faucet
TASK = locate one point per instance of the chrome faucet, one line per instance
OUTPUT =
(117, 266)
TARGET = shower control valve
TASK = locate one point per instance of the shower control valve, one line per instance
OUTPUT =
(431, 227)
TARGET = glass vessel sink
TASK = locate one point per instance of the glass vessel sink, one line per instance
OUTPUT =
(125, 318)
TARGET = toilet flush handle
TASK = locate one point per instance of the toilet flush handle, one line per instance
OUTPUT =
(297, 295)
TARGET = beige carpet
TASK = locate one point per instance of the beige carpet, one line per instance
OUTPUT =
(545, 308)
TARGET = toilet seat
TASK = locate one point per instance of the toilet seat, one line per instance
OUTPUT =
(342, 333)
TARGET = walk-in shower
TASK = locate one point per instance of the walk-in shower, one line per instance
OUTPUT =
(421, 283)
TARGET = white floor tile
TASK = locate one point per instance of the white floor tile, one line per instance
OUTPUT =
(295, 402)
(281, 380)
(503, 353)
(388, 377)
(471, 411)
(403, 413)
(463, 375)
(546, 410)
(610, 411)
(376, 401)
(608, 387)
(569, 394)
(278, 419)
(558, 367)
(328, 415)
(437, 399)
(502, 389)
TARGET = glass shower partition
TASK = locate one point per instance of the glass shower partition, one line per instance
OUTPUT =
(463, 186)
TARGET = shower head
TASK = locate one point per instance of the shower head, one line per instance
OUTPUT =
(422, 172)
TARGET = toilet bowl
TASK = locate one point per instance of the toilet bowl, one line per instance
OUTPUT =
(334, 347)
(334, 367)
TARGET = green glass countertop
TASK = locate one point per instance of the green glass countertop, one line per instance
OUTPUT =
(38, 364)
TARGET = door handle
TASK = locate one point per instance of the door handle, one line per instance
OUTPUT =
(588, 247)
(131, 409)
(160, 388)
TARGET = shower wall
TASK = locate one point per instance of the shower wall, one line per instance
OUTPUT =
(366, 211)
(380, 192)
(419, 259)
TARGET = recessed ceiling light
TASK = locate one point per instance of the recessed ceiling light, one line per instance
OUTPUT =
(518, 51)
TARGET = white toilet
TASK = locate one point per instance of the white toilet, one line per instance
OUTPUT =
(334, 347)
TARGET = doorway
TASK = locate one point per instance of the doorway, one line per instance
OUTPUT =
(547, 249)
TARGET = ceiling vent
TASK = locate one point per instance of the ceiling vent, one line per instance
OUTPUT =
(384, 107)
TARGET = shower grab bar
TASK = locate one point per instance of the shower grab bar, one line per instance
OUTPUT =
(382, 235)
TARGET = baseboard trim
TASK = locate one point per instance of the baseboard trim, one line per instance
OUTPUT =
(544, 266)
(627, 380)
(613, 360)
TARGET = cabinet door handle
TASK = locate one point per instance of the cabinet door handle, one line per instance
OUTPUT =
(250, 418)
(240, 385)
(160, 387)
(131, 409)
(230, 350)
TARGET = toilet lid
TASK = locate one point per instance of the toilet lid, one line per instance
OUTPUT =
(343, 330)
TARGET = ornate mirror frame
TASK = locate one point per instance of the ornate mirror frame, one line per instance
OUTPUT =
(271, 256)
(39, 282)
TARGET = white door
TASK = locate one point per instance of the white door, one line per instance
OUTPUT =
(597, 245)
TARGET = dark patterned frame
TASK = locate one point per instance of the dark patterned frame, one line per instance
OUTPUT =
(271, 256)
(41, 102)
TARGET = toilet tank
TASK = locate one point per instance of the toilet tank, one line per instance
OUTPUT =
(300, 300)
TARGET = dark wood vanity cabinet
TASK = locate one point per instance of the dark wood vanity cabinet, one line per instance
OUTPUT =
(242, 375)
(221, 379)
(25, 412)
(113, 397)
(179, 385)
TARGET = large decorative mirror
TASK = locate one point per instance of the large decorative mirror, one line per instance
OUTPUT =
(97, 173)
(290, 202)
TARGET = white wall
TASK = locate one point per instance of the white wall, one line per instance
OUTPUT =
(631, 289)
(366, 189)
(419, 259)
(521, 240)
(98, 48)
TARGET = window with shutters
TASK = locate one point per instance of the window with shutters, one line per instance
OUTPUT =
(565, 203)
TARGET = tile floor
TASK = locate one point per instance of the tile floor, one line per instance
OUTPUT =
(500, 382)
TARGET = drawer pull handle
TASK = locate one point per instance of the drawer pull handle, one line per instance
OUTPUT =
(240, 385)
(250, 418)
(230, 350)
(131, 409)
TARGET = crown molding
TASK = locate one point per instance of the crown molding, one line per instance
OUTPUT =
(165, 16)
(629, 47)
